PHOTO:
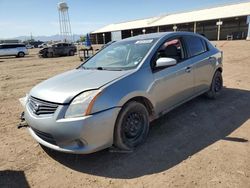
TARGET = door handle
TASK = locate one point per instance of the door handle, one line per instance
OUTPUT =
(188, 69)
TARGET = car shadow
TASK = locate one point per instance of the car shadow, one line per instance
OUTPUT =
(8, 57)
(14, 57)
(173, 138)
(10, 178)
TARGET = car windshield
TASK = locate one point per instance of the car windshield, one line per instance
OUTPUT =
(123, 55)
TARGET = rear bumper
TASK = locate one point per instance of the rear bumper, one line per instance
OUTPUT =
(76, 135)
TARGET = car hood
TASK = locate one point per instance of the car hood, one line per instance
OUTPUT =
(46, 48)
(64, 87)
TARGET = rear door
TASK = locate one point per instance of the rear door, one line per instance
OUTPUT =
(58, 50)
(66, 48)
(203, 63)
(8, 49)
(172, 85)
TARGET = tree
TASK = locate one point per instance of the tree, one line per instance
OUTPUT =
(83, 38)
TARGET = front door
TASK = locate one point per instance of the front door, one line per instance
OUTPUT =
(175, 84)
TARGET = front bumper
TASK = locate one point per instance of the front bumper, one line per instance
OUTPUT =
(75, 135)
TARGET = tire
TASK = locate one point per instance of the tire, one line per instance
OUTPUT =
(50, 54)
(71, 53)
(20, 54)
(216, 86)
(132, 126)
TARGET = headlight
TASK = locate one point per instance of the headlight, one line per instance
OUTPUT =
(82, 104)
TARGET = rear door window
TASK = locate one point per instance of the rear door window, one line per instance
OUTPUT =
(195, 45)
(7, 46)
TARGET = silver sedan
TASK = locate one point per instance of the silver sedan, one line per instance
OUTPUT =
(111, 98)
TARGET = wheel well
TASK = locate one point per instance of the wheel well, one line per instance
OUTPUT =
(219, 69)
(146, 103)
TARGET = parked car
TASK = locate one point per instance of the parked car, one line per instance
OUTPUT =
(29, 46)
(43, 45)
(18, 50)
(58, 49)
(111, 98)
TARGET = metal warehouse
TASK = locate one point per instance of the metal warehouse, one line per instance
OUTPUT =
(227, 22)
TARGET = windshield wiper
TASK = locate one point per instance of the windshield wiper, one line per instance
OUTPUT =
(93, 68)
(109, 69)
(101, 68)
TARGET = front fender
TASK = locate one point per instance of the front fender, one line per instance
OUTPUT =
(118, 93)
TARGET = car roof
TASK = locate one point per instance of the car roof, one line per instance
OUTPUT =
(62, 43)
(148, 36)
(159, 35)
(12, 44)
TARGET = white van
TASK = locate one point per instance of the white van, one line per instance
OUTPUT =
(18, 50)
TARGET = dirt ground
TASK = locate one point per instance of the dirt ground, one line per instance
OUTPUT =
(203, 143)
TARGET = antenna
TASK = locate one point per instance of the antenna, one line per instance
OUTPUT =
(64, 22)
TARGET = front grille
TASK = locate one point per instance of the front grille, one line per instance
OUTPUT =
(40, 107)
(44, 136)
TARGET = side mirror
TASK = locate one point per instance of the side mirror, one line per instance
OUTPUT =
(165, 62)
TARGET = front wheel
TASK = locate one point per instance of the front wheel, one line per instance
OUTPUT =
(50, 54)
(71, 53)
(216, 86)
(132, 126)
(21, 54)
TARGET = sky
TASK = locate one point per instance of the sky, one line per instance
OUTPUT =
(40, 17)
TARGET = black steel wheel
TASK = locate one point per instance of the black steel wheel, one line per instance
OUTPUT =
(132, 126)
(216, 86)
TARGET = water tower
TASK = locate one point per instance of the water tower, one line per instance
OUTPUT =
(65, 27)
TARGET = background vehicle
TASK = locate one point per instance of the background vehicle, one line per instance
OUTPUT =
(112, 97)
(58, 49)
(43, 45)
(18, 50)
(29, 46)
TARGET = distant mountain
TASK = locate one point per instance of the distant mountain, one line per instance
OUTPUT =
(46, 38)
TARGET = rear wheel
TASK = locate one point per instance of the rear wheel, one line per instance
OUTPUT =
(71, 53)
(216, 86)
(20, 54)
(132, 126)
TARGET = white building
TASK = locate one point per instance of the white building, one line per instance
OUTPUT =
(216, 23)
